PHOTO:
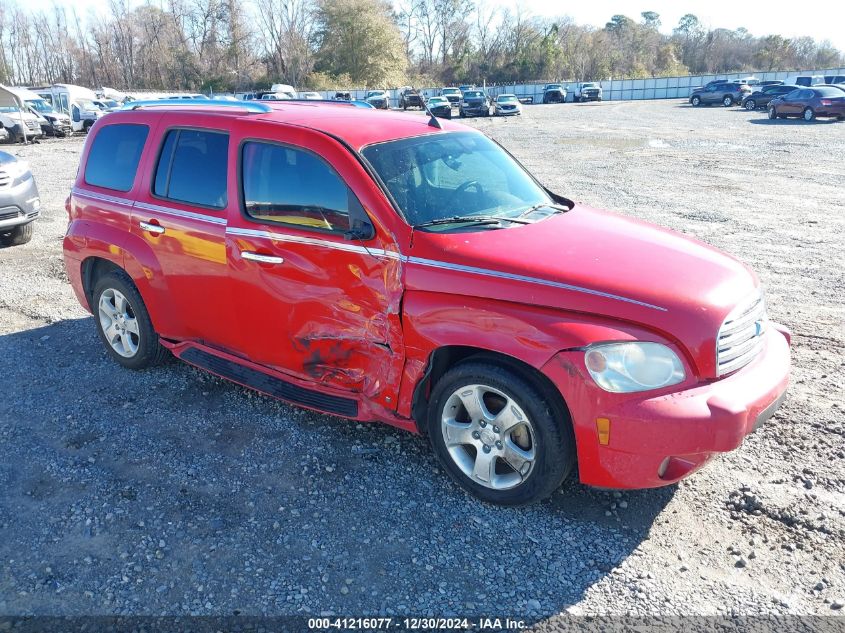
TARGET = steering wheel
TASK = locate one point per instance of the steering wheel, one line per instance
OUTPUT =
(469, 183)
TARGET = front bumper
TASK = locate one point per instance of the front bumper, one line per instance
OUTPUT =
(19, 204)
(475, 109)
(658, 440)
(515, 111)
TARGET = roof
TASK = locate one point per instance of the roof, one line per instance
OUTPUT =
(357, 127)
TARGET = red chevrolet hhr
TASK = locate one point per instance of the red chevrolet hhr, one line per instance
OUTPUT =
(385, 267)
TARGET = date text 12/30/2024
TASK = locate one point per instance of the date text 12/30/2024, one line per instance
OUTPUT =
(415, 624)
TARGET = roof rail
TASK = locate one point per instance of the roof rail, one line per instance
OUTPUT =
(256, 108)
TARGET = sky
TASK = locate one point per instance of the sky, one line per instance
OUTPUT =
(821, 20)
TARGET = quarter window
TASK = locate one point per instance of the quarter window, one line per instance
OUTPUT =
(114, 156)
(291, 186)
(192, 168)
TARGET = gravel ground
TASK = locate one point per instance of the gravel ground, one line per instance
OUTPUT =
(172, 492)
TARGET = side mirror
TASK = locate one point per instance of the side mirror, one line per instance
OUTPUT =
(360, 231)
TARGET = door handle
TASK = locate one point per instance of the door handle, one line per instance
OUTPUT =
(155, 229)
(264, 259)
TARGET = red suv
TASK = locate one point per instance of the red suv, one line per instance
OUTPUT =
(385, 267)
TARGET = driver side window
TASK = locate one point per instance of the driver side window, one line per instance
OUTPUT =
(286, 185)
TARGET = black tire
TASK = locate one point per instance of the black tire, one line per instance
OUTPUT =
(695, 101)
(150, 352)
(553, 444)
(86, 127)
(773, 113)
(750, 105)
(808, 114)
(18, 235)
(727, 101)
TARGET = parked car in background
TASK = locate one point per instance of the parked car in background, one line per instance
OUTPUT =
(554, 93)
(726, 94)
(805, 81)
(587, 91)
(770, 82)
(440, 107)
(809, 103)
(760, 98)
(107, 105)
(474, 102)
(522, 334)
(288, 91)
(52, 123)
(342, 95)
(834, 79)
(507, 105)
(464, 87)
(20, 204)
(310, 95)
(20, 124)
(410, 98)
(452, 94)
(379, 99)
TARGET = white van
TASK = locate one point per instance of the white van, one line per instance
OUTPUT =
(52, 123)
(283, 91)
(75, 101)
(19, 123)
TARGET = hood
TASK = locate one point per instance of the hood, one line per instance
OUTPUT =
(593, 262)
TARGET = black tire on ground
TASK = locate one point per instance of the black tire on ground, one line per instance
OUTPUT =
(150, 352)
(727, 101)
(18, 235)
(553, 445)
(750, 105)
(773, 113)
(695, 101)
(808, 114)
(86, 127)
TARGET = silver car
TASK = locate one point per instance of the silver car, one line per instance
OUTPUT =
(20, 204)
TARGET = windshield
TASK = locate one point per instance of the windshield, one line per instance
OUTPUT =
(436, 100)
(374, 93)
(473, 94)
(588, 85)
(450, 91)
(506, 98)
(86, 104)
(9, 109)
(40, 105)
(553, 87)
(453, 174)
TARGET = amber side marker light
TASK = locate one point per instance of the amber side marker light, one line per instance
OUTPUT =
(603, 428)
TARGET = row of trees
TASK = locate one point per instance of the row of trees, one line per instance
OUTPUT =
(235, 45)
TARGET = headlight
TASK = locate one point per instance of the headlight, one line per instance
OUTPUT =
(631, 367)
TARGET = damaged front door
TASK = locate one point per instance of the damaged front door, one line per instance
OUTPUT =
(317, 288)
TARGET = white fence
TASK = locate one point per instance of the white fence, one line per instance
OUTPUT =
(619, 89)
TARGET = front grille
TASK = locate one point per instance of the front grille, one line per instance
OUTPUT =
(5, 179)
(33, 125)
(741, 335)
(6, 214)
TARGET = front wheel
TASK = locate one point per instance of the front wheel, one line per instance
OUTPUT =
(773, 113)
(751, 105)
(123, 323)
(809, 115)
(19, 235)
(695, 101)
(497, 436)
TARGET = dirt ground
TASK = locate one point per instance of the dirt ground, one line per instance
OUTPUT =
(172, 492)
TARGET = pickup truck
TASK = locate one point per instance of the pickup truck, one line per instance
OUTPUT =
(587, 91)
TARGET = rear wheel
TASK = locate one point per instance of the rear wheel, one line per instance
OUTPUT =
(497, 436)
(809, 115)
(123, 323)
(750, 105)
(18, 235)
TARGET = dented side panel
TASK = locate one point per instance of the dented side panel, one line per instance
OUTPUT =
(327, 309)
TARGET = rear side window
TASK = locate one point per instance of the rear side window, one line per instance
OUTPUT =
(192, 168)
(114, 156)
(292, 186)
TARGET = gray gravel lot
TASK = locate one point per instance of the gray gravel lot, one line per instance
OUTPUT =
(172, 492)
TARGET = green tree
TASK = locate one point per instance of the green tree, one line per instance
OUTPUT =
(360, 38)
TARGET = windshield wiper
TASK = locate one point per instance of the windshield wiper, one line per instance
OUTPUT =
(471, 219)
(551, 205)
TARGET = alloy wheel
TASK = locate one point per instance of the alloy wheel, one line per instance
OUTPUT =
(118, 322)
(489, 436)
